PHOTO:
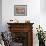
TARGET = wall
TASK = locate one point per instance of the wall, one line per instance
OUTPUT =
(33, 10)
(34, 14)
(43, 6)
(43, 14)
(0, 15)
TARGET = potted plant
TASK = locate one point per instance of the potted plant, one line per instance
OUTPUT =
(41, 36)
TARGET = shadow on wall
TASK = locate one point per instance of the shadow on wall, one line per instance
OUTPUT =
(43, 6)
(0, 15)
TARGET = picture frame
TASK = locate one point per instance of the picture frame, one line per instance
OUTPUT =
(20, 10)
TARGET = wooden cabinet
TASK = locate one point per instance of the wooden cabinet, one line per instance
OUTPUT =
(22, 33)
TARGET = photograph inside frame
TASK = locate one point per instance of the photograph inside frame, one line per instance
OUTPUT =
(20, 10)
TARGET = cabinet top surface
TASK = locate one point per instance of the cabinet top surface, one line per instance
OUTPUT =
(19, 23)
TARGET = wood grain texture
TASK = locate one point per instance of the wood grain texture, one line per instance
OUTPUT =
(23, 27)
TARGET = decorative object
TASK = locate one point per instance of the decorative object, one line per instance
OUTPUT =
(27, 21)
(7, 38)
(1, 40)
(13, 21)
(45, 34)
(41, 36)
(20, 10)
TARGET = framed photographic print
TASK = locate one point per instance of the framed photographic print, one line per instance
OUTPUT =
(20, 10)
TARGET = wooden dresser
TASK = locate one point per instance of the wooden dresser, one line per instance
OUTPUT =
(22, 33)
